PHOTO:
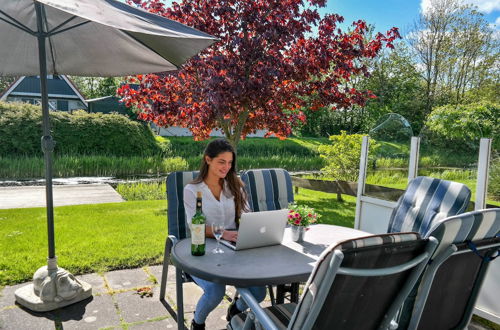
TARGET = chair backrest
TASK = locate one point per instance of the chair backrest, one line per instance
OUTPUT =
(456, 271)
(425, 201)
(176, 214)
(268, 189)
(372, 282)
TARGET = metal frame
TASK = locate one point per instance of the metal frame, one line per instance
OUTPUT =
(428, 278)
(483, 167)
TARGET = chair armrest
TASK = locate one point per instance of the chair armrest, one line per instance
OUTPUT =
(259, 313)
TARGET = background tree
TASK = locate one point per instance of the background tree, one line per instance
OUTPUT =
(398, 86)
(454, 44)
(5, 82)
(257, 76)
(94, 87)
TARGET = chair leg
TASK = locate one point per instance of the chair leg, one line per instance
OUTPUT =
(180, 298)
(294, 292)
(164, 273)
(271, 294)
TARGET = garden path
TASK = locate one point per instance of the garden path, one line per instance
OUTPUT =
(72, 194)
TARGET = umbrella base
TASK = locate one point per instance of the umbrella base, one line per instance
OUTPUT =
(52, 288)
(26, 297)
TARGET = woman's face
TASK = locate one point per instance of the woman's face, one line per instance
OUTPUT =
(220, 165)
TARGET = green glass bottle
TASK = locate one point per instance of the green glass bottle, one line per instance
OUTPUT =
(198, 229)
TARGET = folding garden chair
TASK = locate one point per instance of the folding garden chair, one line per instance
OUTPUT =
(427, 200)
(268, 190)
(177, 230)
(450, 284)
(356, 284)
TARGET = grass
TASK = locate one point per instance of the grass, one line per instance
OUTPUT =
(89, 238)
(69, 166)
(101, 237)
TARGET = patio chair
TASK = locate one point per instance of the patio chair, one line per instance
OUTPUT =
(177, 230)
(467, 244)
(356, 284)
(268, 190)
(425, 201)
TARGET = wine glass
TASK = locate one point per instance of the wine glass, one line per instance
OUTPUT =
(218, 229)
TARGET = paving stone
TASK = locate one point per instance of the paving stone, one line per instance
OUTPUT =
(96, 281)
(17, 318)
(7, 297)
(100, 312)
(192, 293)
(127, 279)
(157, 270)
(167, 323)
(133, 308)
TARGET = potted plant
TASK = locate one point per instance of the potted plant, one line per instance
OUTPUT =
(300, 217)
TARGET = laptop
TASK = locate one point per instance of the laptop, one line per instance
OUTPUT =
(258, 229)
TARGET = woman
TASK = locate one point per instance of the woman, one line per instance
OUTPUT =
(223, 198)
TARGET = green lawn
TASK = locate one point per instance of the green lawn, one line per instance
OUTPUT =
(89, 238)
(100, 237)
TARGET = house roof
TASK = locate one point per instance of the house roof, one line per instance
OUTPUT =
(29, 86)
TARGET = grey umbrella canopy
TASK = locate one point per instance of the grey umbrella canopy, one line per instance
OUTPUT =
(93, 38)
(86, 38)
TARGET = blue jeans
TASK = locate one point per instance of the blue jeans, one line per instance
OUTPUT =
(213, 294)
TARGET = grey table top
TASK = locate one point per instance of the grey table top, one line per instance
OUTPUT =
(278, 264)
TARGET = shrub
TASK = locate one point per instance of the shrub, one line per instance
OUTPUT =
(494, 183)
(464, 124)
(342, 156)
(77, 133)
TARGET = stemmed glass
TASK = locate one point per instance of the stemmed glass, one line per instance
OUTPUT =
(218, 229)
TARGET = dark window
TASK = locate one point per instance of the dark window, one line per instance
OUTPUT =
(62, 105)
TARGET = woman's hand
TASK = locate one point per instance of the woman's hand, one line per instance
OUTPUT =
(230, 235)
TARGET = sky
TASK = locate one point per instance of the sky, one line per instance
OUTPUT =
(385, 14)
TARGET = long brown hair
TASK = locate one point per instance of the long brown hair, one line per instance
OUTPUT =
(213, 149)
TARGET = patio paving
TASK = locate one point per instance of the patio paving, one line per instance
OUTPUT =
(72, 194)
(116, 305)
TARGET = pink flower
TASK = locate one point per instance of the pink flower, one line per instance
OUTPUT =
(297, 222)
(290, 216)
(297, 215)
(309, 215)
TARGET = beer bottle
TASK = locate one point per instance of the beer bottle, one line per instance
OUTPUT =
(198, 229)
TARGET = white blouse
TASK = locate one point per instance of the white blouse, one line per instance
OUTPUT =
(212, 208)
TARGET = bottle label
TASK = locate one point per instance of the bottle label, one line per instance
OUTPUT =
(198, 234)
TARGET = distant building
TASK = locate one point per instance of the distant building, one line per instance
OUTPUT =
(63, 94)
(106, 104)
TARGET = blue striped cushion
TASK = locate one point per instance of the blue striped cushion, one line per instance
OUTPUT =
(176, 213)
(426, 200)
(268, 189)
(470, 226)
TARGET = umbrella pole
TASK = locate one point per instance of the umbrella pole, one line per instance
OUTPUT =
(52, 287)
(48, 143)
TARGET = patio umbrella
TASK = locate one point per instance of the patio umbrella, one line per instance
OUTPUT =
(87, 38)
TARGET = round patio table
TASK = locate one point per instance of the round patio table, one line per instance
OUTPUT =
(289, 262)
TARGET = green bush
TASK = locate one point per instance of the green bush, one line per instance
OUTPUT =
(462, 125)
(494, 183)
(77, 133)
(342, 156)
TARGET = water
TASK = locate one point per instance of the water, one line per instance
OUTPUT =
(113, 181)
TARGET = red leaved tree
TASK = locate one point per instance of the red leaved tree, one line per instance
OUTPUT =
(267, 63)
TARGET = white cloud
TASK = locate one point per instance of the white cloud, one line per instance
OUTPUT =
(484, 6)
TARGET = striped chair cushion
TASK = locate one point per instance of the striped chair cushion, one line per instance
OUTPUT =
(425, 201)
(268, 189)
(176, 213)
(470, 226)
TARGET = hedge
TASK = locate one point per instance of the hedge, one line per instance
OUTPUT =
(77, 133)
